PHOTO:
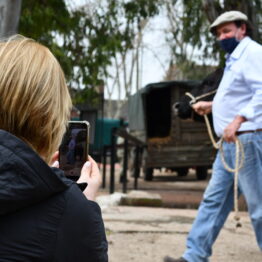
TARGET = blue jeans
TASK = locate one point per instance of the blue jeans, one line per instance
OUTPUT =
(218, 198)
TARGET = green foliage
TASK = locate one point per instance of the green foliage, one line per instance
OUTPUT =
(83, 95)
(85, 40)
(106, 31)
(40, 21)
(141, 9)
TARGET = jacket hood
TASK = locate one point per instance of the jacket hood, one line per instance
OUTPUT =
(25, 178)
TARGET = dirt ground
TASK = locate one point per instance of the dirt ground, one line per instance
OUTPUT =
(148, 234)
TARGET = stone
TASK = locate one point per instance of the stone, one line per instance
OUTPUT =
(141, 198)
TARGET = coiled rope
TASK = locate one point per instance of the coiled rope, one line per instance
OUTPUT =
(240, 156)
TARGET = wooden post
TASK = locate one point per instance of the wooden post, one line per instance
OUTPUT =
(104, 166)
(112, 163)
(137, 168)
(125, 163)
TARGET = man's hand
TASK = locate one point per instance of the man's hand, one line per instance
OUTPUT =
(90, 174)
(202, 107)
(230, 131)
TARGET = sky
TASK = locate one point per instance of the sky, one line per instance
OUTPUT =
(154, 69)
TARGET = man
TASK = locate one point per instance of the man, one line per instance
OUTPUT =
(237, 112)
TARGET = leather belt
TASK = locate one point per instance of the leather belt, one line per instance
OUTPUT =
(248, 131)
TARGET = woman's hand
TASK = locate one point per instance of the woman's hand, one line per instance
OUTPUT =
(90, 174)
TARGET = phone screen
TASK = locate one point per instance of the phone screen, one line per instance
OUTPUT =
(73, 151)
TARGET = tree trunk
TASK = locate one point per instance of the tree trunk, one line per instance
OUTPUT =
(212, 9)
(9, 17)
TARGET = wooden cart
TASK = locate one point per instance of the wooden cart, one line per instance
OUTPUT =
(171, 142)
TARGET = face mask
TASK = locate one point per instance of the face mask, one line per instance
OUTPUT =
(229, 44)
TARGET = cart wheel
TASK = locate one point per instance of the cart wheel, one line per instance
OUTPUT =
(148, 174)
(201, 172)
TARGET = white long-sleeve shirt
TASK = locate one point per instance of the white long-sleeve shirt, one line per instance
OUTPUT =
(240, 90)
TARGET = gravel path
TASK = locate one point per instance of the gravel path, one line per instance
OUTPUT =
(148, 234)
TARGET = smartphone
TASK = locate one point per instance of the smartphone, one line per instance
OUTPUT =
(73, 151)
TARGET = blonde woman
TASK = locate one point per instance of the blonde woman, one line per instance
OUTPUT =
(43, 215)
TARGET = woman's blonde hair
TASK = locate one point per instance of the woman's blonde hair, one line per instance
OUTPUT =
(34, 99)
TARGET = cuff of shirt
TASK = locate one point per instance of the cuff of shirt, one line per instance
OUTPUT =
(247, 113)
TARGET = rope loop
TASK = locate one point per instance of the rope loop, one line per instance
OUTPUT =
(239, 162)
(239, 157)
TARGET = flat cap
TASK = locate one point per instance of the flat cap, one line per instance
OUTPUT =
(229, 16)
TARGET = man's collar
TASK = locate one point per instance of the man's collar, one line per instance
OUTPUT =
(240, 47)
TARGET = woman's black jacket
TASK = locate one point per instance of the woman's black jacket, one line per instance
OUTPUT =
(43, 215)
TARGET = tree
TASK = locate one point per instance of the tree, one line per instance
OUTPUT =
(110, 36)
(63, 33)
(41, 21)
(187, 30)
(129, 21)
(90, 39)
(190, 40)
(100, 45)
(9, 17)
